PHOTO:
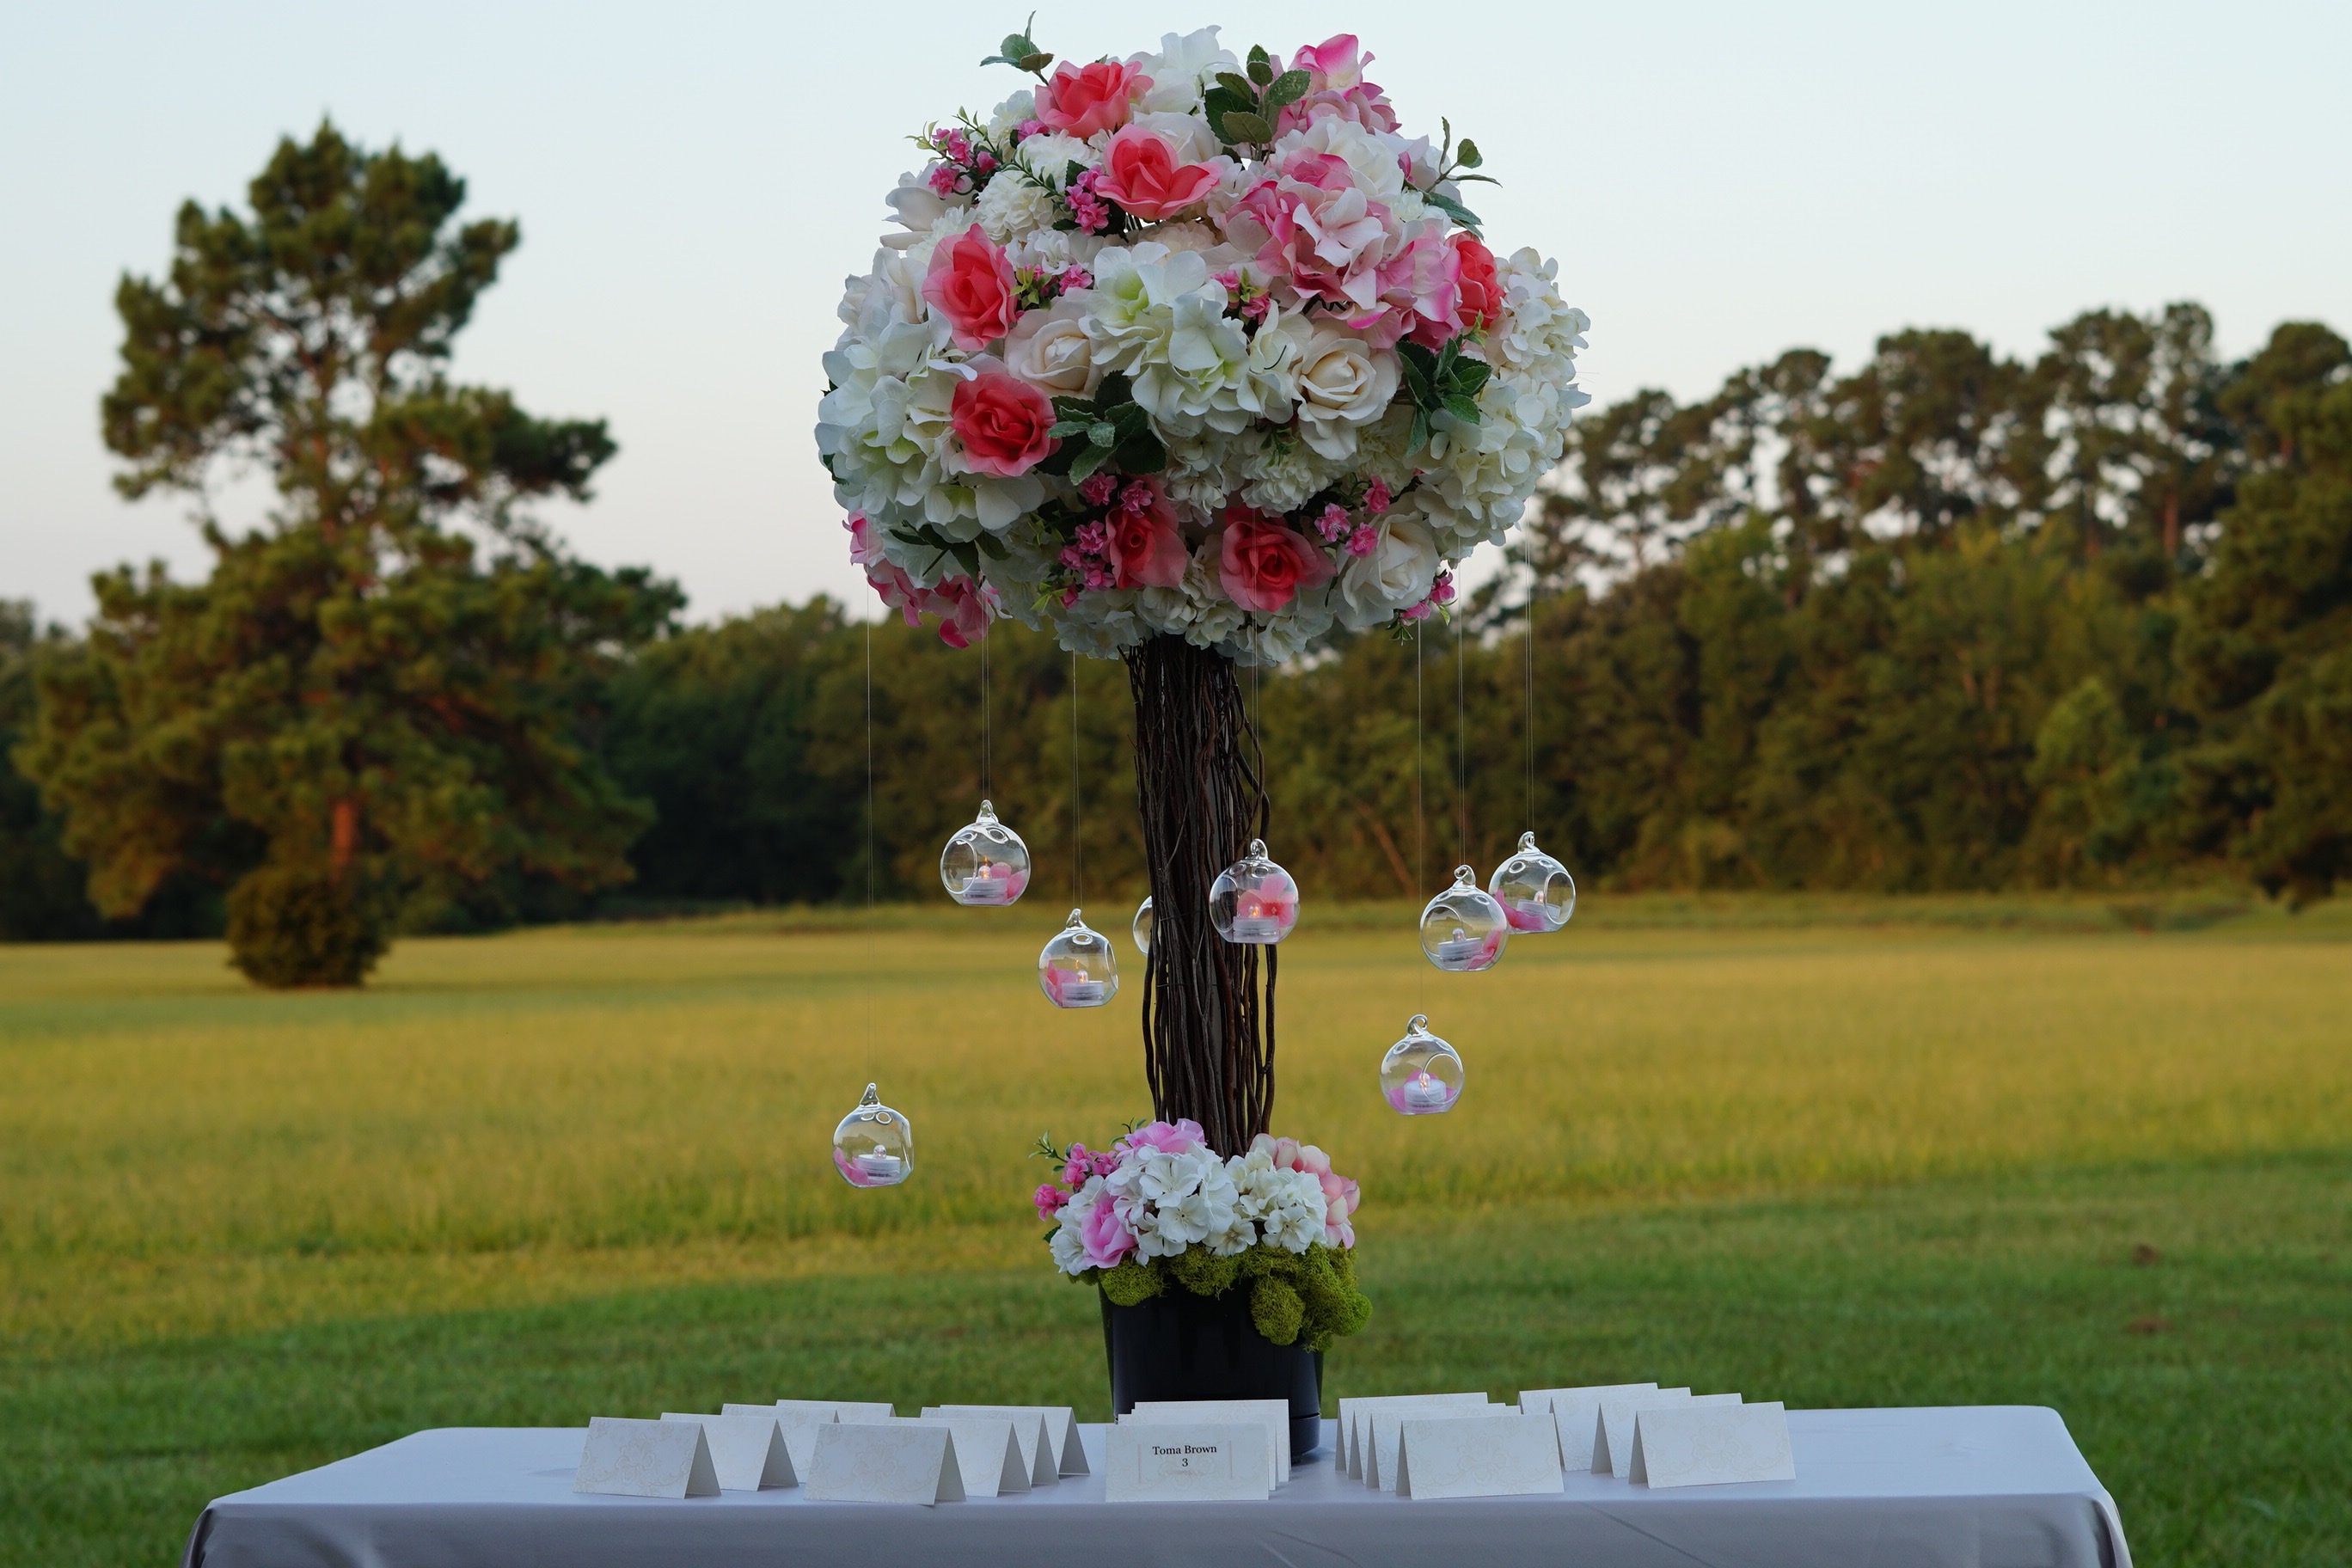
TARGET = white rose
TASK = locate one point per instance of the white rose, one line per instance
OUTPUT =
(1343, 382)
(1011, 207)
(1177, 70)
(1049, 349)
(1189, 134)
(1396, 575)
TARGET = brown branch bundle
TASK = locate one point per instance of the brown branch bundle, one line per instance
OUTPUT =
(1208, 1028)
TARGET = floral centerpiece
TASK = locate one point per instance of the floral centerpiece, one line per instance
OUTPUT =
(1159, 1208)
(1193, 345)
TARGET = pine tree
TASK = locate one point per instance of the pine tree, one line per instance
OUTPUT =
(388, 690)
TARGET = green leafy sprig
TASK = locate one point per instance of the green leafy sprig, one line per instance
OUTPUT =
(1018, 52)
(964, 552)
(1454, 164)
(1241, 109)
(1446, 381)
(1110, 428)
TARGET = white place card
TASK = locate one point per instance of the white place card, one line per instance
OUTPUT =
(1060, 1429)
(1701, 1446)
(1029, 1431)
(1613, 1432)
(870, 1462)
(1150, 1461)
(834, 1410)
(748, 1452)
(1273, 1415)
(799, 1431)
(1381, 1435)
(1477, 1456)
(1352, 1454)
(625, 1458)
(988, 1456)
(1575, 1411)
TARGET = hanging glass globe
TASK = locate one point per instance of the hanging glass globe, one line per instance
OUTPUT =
(1254, 900)
(1464, 929)
(985, 863)
(1142, 929)
(1536, 891)
(1421, 1076)
(1077, 968)
(874, 1146)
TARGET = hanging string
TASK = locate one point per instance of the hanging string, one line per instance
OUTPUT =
(1461, 752)
(1078, 853)
(869, 849)
(987, 790)
(1529, 721)
(1419, 817)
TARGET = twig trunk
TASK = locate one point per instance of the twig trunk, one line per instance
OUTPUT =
(1208, 1024)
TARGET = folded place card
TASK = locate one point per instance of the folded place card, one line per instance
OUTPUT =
(1351, 1455)
(1151, 1461)
(1273, 1415)
(624, 1458)
(834, 1410)
(1381, 1439)
(863, 1462)
(1575, 1411)
(799, 1430)
(1612, 1432)
(748, 1452)
(988, 1456)
(1060, 1429)
(1477, 1456)
(1698, 1445)
(1029, 1432)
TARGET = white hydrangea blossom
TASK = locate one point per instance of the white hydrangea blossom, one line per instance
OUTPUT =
(1267, 370)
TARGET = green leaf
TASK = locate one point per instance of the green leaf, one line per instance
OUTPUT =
(1113, 390)
(1237, 85)
(1142, 454)
(1034, 62)
(1016, 45)
(1453, 209)
(1242, 127)
(1471, 375)
(1132, 419)
(1462, 408)
(1063, 429)
(1102, 433)
(1468, 157)
(1420, 437)
(993, 547)
(1420, 367)
(1261, 66)
(1288, 87)
(1089, 459)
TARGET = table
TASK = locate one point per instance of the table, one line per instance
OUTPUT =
(1971, 1486)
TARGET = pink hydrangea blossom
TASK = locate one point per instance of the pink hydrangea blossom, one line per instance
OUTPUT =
(1336, 86)
(1185, 1134)
(1049, 1200)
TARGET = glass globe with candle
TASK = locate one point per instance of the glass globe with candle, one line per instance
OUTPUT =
(1463, 929)
(1077, 968)
(1253, 902)
(1421, 1076)
(875, 1145)
(985, 863)
(1536, 891)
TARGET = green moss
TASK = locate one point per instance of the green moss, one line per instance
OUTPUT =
(1278, 1310)
(1307, 1298)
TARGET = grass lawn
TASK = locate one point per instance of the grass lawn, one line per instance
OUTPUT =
(1837, 1153)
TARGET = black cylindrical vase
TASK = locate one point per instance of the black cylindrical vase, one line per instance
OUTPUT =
(1177, 1345)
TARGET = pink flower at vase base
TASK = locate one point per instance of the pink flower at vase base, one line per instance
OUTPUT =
(1183, 1136)
(1050, 1200)
(1106, 1238)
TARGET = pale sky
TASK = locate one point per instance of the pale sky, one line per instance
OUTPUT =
(1719, 182)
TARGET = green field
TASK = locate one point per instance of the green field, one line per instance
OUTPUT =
(1838, 1153)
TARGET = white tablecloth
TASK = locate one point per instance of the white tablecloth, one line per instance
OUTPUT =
(1973, 1487)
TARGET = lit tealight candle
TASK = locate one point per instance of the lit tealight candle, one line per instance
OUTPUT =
(878, 1167)
(1425, 1093)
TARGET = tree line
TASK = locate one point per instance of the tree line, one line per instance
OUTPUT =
(1946, 620)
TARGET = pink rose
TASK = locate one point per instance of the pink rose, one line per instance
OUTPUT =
(1140, 174)
(1049, 1199)
(1002, 421)
(1146, 545)
(1106, 1238)
(1481, 294)
(1262, 563)
(1083, 100)
(971, 283)
(1184, 1136)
